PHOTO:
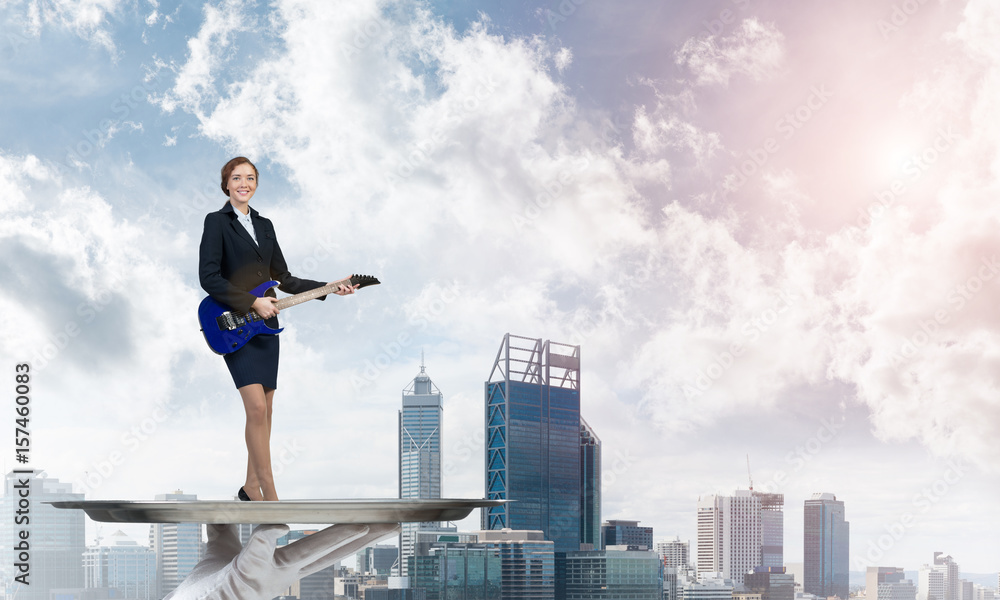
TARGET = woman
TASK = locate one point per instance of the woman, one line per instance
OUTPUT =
(238, 252)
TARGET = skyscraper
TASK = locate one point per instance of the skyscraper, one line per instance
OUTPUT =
(826, 541)
(377, 560)
(949, 568)
(55, 537)
(772, 583)
(177, 547)
(590, 488)
(533, 440)
(729, 534)
(931, 584)
(419, 452)
(772, 529)
(674, 553)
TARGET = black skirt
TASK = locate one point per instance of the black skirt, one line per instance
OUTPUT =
(256, 362)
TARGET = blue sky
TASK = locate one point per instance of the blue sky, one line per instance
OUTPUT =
(769, 226)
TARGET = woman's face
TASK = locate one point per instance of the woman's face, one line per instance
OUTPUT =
(242, 184)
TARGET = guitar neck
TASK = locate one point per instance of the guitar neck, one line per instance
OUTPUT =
(311, 294)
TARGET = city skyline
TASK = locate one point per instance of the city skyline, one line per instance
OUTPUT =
(770, 226)
(949, 582)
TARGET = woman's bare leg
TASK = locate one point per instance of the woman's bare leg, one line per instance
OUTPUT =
(257, 402)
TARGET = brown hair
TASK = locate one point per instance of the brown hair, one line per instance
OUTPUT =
(228, 170)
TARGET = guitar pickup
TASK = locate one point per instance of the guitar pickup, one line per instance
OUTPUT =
(227, 322)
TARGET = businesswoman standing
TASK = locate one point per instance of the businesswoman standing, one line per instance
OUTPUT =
(238, 252)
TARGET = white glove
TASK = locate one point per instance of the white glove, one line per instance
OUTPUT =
(260, 571)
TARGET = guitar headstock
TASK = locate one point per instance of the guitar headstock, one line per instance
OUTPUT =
(364, 281)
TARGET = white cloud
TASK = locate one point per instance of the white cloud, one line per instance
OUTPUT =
(102, 305)
(385, 124)
(755, 50)
(85, 18)
(901, 309)
(655, 133)
(195, 81)
(563, 58)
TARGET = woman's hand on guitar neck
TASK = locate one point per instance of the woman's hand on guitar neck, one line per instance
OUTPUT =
(342, 289)
(265, 307)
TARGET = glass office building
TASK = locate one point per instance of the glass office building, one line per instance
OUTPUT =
(613, 574)
(533, 440)
(458, 572)
(627, 533)
(772, 583)
(527, 562)
(825, 545)
(590, 488)
(419, 453)
(772, 529)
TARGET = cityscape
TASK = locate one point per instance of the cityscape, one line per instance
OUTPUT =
(550, 542)
(700, 295)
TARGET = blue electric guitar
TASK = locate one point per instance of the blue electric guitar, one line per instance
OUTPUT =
(227, 330)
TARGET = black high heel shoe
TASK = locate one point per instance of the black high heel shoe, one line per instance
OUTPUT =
(242, 495)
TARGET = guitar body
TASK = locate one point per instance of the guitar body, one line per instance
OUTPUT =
(227, 330)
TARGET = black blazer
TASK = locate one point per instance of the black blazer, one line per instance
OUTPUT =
(230, 264)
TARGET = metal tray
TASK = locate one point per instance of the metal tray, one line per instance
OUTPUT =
(282, 511)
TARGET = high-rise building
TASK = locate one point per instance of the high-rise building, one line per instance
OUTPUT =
(674, 553)
(458, 572)
(949, 568)
(826, 542)
(729, 535)
(627, 533)
(982, 592)
(419, 453)
(377, 560)
(527, 561)
(177, 547)
(612, 574)
(590, 488)
(772, 583)
(967, 589)
(888, 583)
(930, 583)
(772, 529)
(533, 440)
(670, 581)
(124, 565)
(510, 565)
(55, 537)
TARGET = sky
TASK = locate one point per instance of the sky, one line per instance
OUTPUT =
(770, 226)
